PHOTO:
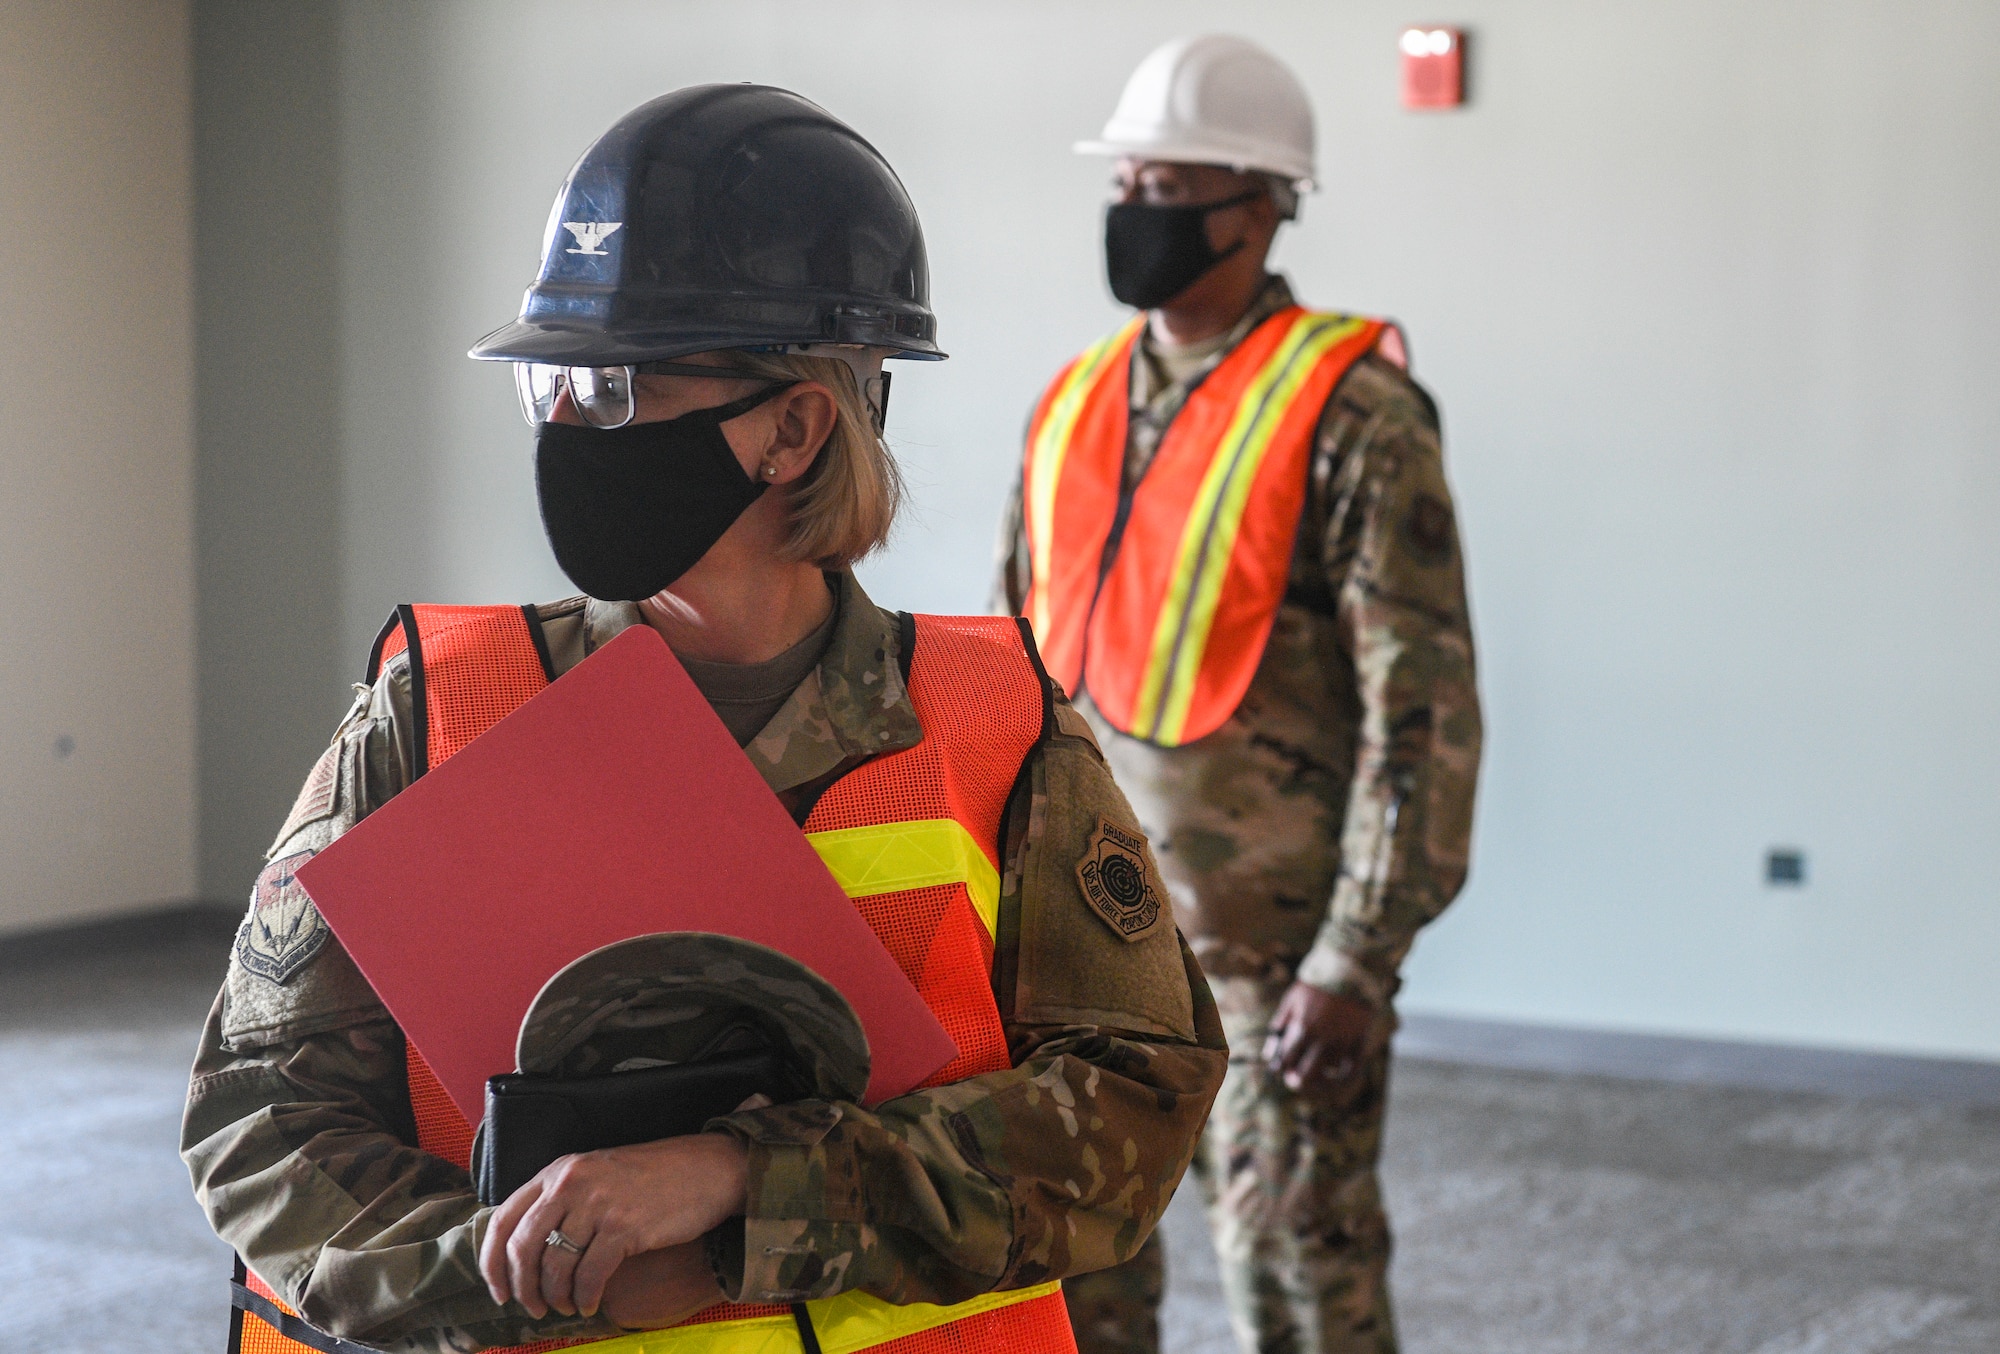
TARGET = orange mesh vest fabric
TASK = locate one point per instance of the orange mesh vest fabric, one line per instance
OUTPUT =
(980, 703)
(1159, 600)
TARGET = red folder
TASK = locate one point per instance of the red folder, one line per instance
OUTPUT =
(613, 804)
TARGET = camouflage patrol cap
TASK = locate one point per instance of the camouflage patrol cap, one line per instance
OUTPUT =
(685, 996)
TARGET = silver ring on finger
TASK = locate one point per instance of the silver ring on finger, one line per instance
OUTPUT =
(556, 1239)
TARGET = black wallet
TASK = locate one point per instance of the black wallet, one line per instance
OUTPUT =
(533, 1119)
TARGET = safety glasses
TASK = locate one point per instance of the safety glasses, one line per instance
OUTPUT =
(603, 396)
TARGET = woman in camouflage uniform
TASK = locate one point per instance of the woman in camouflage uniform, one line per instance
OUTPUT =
(299, 1131)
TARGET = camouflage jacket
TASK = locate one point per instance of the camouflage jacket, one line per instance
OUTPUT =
(1314, 833)
(301, 1141)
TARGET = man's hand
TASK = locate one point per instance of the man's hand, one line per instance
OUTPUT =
(654, 1289)
(1319, 1042)
(614, 1204)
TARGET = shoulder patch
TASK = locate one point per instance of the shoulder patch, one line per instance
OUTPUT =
(283, 930)
(1117, 878)
(318, 798)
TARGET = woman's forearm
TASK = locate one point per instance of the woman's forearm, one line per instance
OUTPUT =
(296, 1160)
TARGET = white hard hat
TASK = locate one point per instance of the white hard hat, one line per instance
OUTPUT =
(1213, 100)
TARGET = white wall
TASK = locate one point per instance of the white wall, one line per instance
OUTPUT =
(1703, 289)
(97, 811)
(272, 669)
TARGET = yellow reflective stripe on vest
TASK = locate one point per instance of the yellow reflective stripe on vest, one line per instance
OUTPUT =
(750, 1335)
(1045, 462)
(891, 857)
(845, 1324)
(855, 1320)
(1188, 611)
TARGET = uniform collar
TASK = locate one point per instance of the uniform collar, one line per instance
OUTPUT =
(853, 706)
(1162, 400)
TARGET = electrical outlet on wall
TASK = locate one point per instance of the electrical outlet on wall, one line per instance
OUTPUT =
(1785, 867)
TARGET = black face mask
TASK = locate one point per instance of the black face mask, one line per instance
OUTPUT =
(629, 510)
(1153, 254)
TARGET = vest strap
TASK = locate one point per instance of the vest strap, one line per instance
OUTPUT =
(287, 1325)
(808, 1337)
(242, 1299)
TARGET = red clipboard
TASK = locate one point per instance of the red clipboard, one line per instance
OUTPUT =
(613, 804)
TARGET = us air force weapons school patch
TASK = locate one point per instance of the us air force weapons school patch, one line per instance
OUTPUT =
(284, 930)
(1118, 881)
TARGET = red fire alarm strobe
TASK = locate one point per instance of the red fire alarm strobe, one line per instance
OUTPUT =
(1433, 67)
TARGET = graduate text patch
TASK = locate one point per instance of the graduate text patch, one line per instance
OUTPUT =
(1117, 879)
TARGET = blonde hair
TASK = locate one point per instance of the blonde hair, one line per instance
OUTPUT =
(845, 503)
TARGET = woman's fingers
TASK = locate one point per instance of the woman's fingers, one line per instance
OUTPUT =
(528, 1245)
(559, 1265)
(493, 1250)
(615, 1203)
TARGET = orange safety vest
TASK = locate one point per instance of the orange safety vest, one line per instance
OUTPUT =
(913, 837)
(1158, 600)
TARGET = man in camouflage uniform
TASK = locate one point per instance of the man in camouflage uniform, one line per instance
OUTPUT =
(1307, 840)
(300, 1136)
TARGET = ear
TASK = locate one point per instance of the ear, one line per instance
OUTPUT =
(801, 420)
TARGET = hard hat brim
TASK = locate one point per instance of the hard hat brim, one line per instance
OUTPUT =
(1198, 153)
(570, 346)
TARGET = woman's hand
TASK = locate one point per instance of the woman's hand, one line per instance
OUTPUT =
(654, 1289)
(614, 1204)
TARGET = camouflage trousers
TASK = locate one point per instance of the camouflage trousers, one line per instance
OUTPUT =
(1293, 1204)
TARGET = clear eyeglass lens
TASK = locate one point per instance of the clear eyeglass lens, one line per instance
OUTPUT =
(603, 395)
(537, 384)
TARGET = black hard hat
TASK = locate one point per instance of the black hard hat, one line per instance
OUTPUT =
(725, 216)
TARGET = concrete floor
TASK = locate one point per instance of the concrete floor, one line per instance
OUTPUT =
(1536, 1214)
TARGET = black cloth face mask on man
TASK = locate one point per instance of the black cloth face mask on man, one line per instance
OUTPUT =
(1155, 253)
(629, 510)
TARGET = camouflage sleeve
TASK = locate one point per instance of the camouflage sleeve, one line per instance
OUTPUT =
(1011, 571)
(298, 1131)
(1390, 556)
(1058, 1165)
